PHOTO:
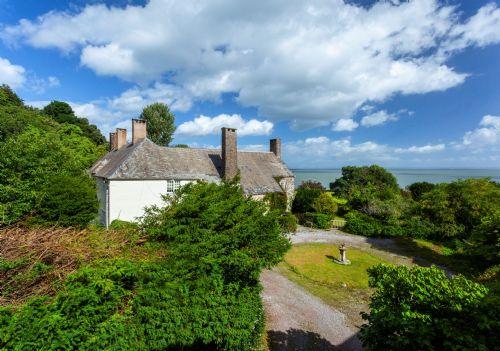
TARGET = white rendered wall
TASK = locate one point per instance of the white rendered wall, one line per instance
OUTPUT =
(127, 198)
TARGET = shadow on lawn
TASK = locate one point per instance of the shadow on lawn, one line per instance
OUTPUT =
(424, 256)
(301, 340)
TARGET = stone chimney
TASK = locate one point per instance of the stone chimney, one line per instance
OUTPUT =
(112, 141)
(121, 138)
(275, 147)
(229, 154)
(138, 130)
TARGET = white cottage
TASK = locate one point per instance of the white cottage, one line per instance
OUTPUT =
(134, 175)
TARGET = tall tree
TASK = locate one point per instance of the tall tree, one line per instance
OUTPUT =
(160, 121)
(63, 113)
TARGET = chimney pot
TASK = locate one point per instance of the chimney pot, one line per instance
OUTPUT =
(112, 141)
(139, 130)
(275, 147)
(121, 138)
(229, 154)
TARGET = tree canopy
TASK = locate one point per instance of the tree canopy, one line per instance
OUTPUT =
(63, 113)
(160, 123)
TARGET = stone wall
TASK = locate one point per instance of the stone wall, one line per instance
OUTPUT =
(288, 186)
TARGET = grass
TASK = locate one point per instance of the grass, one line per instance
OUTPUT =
(343, 287)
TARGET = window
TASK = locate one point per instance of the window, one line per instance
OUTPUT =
(173, 185)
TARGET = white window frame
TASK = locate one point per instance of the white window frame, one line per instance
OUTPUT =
(172, 185)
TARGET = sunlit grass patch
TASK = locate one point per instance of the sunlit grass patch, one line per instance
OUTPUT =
(344, 287)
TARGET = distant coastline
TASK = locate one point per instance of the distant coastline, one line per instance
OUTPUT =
(404, 176)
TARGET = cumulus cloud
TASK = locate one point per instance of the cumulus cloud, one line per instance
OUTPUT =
(255, 49)
(345, 124)
(421, 149)
(204, 125)
(487, 135)
(378, 118)
(10, 74)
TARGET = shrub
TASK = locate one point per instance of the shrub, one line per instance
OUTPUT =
(219, 226)
(304, 199)
(485, 239)
(317, 220)
(361, 224)
(311, 184)
(325, 204)
(419, 228)
(421, 309)
(69, 201)
(288, 222)
(419, 188)
(276, 201)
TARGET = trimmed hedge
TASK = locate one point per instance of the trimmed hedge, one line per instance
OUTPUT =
(288, 222)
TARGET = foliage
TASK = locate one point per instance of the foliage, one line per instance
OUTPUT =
(325, 204)
(419, 188)
(277, 201)
(311, 184)
(160, 123)
(421, 309)
(69, 200)
(63, 113)
(15, 118)
(35, 160)
(288, 222)
(8, 97)
(317, 220)
(485, 239)
(204, 295)
(362, 224)
(219, 226)
(182, 146)
(304, 199)
(353, 178)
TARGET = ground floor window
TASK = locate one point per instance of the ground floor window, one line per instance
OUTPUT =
(173, 185)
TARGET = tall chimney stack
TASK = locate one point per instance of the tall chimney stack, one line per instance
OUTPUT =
(112, 141)
(121, 138)
(229, 154)
(275, 147)
(138, 130)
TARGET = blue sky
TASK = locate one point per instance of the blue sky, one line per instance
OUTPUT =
(397, 83)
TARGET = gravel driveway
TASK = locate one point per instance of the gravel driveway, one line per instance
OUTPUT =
(297, 320)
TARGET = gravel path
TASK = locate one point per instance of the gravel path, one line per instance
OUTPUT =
(298, 320)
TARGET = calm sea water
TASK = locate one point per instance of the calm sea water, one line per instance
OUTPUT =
(405, 176)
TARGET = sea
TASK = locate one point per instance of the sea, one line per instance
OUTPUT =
(404, 176)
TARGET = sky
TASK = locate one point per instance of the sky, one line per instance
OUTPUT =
(394, 83)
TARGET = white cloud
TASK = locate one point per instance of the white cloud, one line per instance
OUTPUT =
(486, 136)
(10, 74)
(421, 149)
(345, 124)
(377, 118)
(204, 125)
(254, 49)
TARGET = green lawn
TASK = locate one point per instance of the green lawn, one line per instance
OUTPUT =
(344, 287)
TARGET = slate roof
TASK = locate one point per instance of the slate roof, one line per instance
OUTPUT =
(146, 160)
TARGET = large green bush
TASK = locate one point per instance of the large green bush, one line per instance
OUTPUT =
(215, 227)
(304, 199)
(361, 224)
(317, 220)
(277, 201)
(288, 222)
(421, 309)
(36, 167)
(326, 204)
